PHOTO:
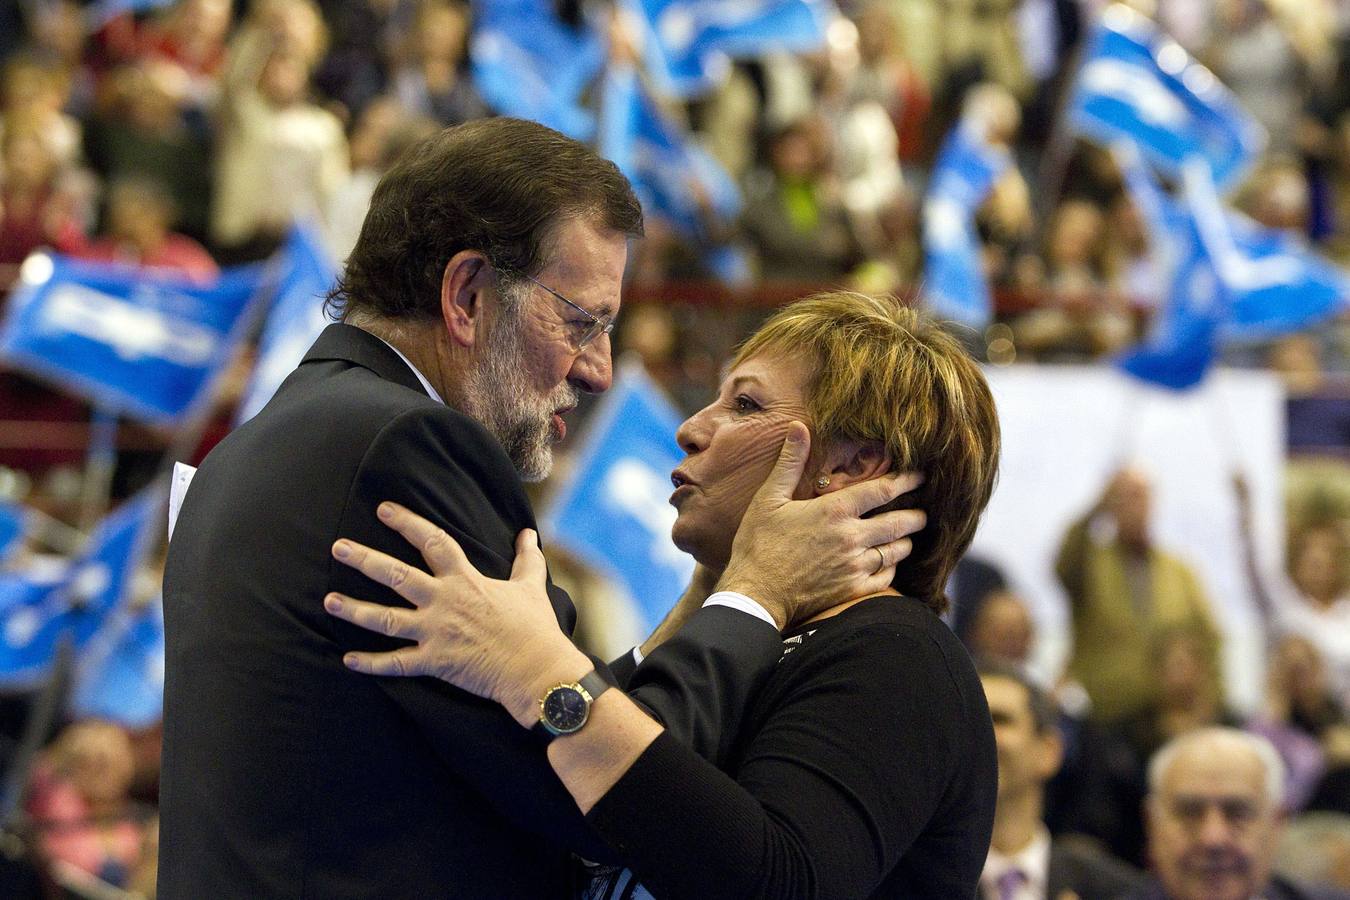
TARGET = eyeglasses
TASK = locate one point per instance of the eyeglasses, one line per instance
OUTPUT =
(594, 326)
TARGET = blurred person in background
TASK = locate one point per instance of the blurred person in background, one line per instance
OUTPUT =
(34, 92)
(279, 157)
(1001, 630)
(1078, 317)
(384, 129)
(140, 219)
(141, 129)
(1298, 711)
(191, 35)
(1314, 601)
(1214, 820)
(1124, 593)
(79, 802)
(1025, 862)
(36, 209)
(794, 219)
(434, 80)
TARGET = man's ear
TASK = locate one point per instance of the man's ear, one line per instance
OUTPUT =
(463, 285)
(849, 462)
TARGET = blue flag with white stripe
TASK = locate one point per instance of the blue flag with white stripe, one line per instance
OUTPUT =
(1232, 279)
(614, 513)
(136, 343)
(689, 44)
(295, 319)
(530, 64)
(1137, 84)
(967, 167)
(38, 612)
(672, 176)
(120, 673)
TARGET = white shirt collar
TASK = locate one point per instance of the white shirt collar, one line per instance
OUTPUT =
(1033, 860)
(431, 391)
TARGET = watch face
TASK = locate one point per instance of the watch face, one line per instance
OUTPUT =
(565, 709)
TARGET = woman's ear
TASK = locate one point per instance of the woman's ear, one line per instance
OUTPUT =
(850, 462)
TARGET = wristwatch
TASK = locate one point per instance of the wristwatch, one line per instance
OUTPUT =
(565, 707)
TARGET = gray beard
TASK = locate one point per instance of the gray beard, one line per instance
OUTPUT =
(497, 393)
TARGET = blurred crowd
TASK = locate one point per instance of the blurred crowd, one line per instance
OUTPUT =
(191, 136)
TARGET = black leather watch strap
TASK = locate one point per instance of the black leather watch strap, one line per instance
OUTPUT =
(593, 684)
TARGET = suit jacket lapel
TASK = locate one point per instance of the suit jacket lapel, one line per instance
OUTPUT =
(354, 345)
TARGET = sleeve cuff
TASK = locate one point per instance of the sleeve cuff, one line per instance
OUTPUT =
(742, 603)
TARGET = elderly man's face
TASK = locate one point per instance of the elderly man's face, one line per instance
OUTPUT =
(531, 373)
(1212, 830)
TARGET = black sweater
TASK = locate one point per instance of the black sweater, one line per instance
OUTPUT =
(866, 768)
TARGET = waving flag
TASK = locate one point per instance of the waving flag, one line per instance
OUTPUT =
(295, 319)
(615, 512)
(967, 167)
(37, 611)
(671, 175)
(1232, 279)
(136, 343)
(1137, 84)
(530, 64)
(689, 44)
(120, 674)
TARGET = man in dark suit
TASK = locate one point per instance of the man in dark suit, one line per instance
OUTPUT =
(1025, 862)
(476, 309)
(1214, 820)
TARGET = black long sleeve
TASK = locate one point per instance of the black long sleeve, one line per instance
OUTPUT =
(867, 769)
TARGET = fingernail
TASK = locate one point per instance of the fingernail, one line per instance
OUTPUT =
(342, 549)
(796, 435)
(332, 603)
(349, 661)
(385, 510)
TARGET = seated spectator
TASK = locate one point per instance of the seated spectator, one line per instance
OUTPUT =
(139, 233)
(1025, 862)
(78, 802)
(435, 81)
(191, 35)
(1299, 710)
(794, 216)
(141, 129)
(1316, 599)
(1001, 630)
(1079, 317)
(1214, 820)
(35, 208)
(279, 157)
(33, 96)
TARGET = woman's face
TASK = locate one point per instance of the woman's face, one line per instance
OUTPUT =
(731, 446)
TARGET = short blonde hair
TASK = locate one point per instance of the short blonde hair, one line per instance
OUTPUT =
(884, 372)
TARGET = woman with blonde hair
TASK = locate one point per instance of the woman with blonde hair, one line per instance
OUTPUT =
(865, 765)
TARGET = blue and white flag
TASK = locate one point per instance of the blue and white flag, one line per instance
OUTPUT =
(38, 612)
(672, 176)
(614, 513)
(967, 167)
(688, 44)
(530, 64)
(13, 526)
(120, 673)
(295, 319)
(1232, 279)
(1137, 84)
(136, 343)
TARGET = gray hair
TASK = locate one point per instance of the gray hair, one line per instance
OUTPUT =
(1263, 749)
